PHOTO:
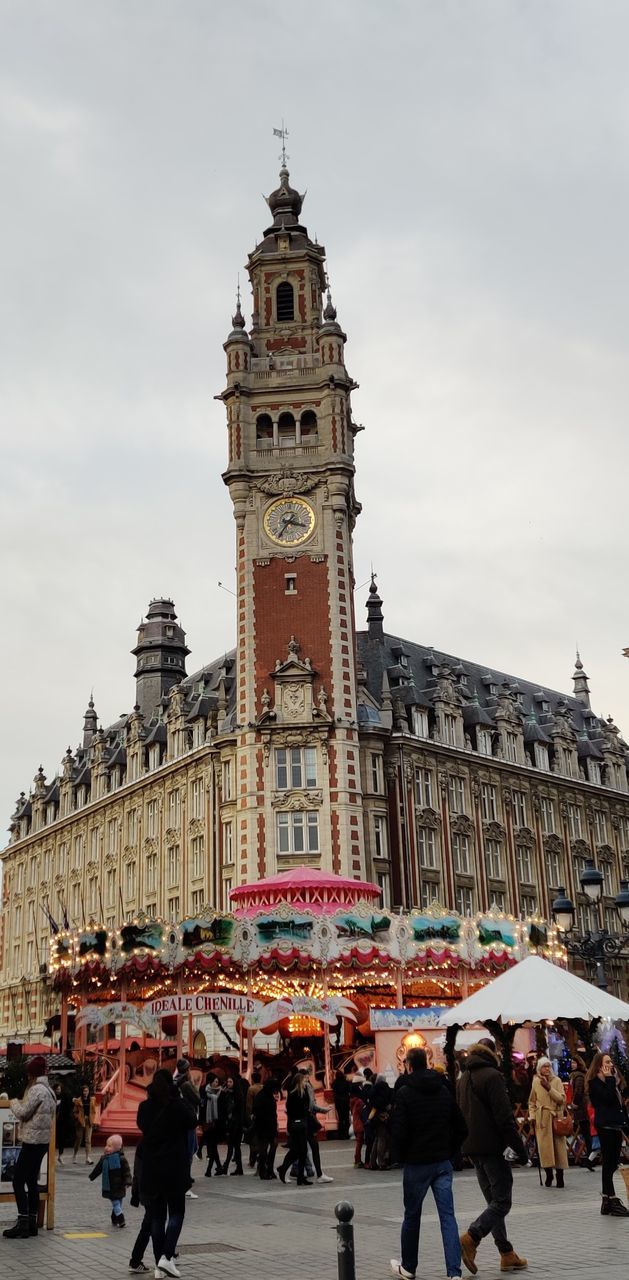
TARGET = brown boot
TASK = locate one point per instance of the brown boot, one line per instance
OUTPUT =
(511, 1262)
(468, 1252)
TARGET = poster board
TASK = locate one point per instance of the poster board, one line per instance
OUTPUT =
(10, 1144)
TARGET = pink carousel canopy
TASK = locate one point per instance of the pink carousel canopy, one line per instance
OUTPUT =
(318, 892)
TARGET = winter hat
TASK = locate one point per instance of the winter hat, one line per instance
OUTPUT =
(114, 1142)
(182, 1066)
(36, 1066)
(542, 1062)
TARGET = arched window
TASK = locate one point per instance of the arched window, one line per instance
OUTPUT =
(264, 431)
(286, 429)
(308, 422)
(285, 301)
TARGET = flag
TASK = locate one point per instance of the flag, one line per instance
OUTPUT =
(278, 133)
(51, 921)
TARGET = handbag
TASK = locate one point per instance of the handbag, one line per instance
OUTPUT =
(563, 1126)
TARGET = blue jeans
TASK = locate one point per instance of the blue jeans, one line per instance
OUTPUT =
(418, 1179)
(116, 1207)
(169, 1205)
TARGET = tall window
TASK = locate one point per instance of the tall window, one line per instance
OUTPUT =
(461, 853)
(423, 788)
(493, 859)
(547, 815)
(174, 808)
(384, 884)
(78, 851)
(380, 836)
(488, 802)
(484, 742)
(285, 302)
(110, 886)
(92, 895)
(227, 780)
(456, 795)
(62, 854)
(609, 886)
(575, 823)
(497, 900)
(32, 870)
(528, 904)
(197, 901)
(464, 899)
(594, 772)
(511, 747)
(132, 826)
(152, 818)
(295, 767)
(227, 888)
(541, 756)
(519, 808)
(196, 798)
(172, 865)
(298, 832)
(173, 907)
(554, 869)
(129, 880)
(420, 723)
(600, 827)
(197, 857)
(150, 870)
(377, 773)
(228, 843)
(112, 835)
(524, 864)
(449, 730)
(46, 864)
(427, 848)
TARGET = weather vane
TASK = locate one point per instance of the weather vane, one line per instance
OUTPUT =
(283, 134)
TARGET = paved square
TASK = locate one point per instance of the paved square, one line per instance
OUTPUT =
(241, 1227)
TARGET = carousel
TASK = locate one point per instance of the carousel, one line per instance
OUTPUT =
(303, 957)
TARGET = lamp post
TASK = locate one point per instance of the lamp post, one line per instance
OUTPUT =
(598, 945)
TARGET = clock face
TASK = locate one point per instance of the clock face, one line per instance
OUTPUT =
(289, 521)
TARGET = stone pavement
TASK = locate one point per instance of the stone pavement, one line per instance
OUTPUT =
(241, 1227)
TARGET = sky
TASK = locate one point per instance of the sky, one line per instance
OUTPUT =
(466, 166)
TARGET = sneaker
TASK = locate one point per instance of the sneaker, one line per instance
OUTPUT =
(167, 1265)
(89, 1161)
(140, 1269)
(325, 1177)
(399, 1270)
(159, 1274)
(191, 1195)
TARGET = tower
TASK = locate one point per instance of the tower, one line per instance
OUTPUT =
(290, 475)
(161, 654)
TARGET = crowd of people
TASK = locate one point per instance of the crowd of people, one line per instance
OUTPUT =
(423, 1122)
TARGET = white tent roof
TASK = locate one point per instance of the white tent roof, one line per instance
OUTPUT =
(534, 990)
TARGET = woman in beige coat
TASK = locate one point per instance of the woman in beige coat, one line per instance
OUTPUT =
(547, 1099)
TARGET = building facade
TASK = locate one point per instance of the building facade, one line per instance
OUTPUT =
(311, 742)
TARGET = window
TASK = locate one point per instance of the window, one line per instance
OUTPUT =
(456, 795)
(461, 853)
(600, 827)
(150, 869)
(174, 808)
(308, 423)
(428, 892)
(110, 886)
(172, 864)
(377, 773)
(575, 826)
(46, 863)
(129, 880)
(488, 802)
(594, 772)
(197, 857)
(111, 923)
(511, 747)
(609, 886)
(155, 756)
(132, 827)
(227, 780)
(286, 431)
(264, 431)
(32, 870)
(173, 908)
(62, 854)
(92, 895)
(484, 742)
(385, 888)
(565, 758)
(423, 788)
(554, 869)
(541, 756)
(196, 798)
(17, 952)
(295, 767)
(290, 584)
(29, 955)
(197, 901)
(519, 808)
(493, 859)
(426, 848)
(94, 844)
(298, 832)
(586, 917)
(227, 888)
(524, 865)
(528, 904)
(420, 723)
(449, 730)
(623, 832)
(464, 900)
(497, 900)
(17, 922)
(380, 837)
(228, 843)
(151, 910)
(112, 835)
(152, 817)
(78, 849)
(547, 815)
(285, 302)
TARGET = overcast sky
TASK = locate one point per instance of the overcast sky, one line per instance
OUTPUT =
(467, 170)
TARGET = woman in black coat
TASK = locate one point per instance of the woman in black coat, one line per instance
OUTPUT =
(265, 1127)
(234, 1126)
(610, 1119)
(297, 1115)
(165, 1121)
(340, 1089)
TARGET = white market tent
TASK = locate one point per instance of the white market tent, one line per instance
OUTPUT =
(532, 991)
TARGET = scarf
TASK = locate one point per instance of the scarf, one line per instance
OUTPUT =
(109, 1164)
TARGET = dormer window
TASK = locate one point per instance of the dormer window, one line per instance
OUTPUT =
(544, 706)
(403, 660)
(493, 690)
(285, 302)
(420, 723)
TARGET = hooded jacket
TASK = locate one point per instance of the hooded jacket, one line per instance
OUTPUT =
(36, 1111)
(483, 1099)
(164, 1124)
(427, 1125)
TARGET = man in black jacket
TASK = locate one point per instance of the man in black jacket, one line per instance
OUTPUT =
(427, 1128)
(491, 1128)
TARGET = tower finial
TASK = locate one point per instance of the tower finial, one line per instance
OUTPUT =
(283, 134)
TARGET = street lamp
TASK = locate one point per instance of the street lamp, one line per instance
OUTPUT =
(598, 945)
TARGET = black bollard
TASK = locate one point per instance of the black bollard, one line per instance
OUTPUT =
(345, 1240)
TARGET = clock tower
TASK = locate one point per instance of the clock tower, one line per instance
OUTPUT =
(290, 475)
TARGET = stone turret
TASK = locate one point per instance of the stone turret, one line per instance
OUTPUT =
(581, 687)
(161, 654)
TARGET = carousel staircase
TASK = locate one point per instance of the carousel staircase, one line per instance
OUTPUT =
(119, 1113)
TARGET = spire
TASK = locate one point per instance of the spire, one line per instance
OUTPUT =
(90, 722)
(330, 310)
(580, 679)
(375, 616)
(238, 320)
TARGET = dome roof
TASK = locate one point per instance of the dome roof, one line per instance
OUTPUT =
(285, 202)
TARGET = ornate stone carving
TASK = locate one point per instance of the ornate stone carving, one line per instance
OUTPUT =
(196, 827)
(462, 825)
(296, 799)
(171, 837)
(280, 482)
(494, 830)
(553, 844)
(128, 853)
(150, 845)
(580, 848)
(525, 837)
(605, 852)
(428, 818)
(111, 861)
